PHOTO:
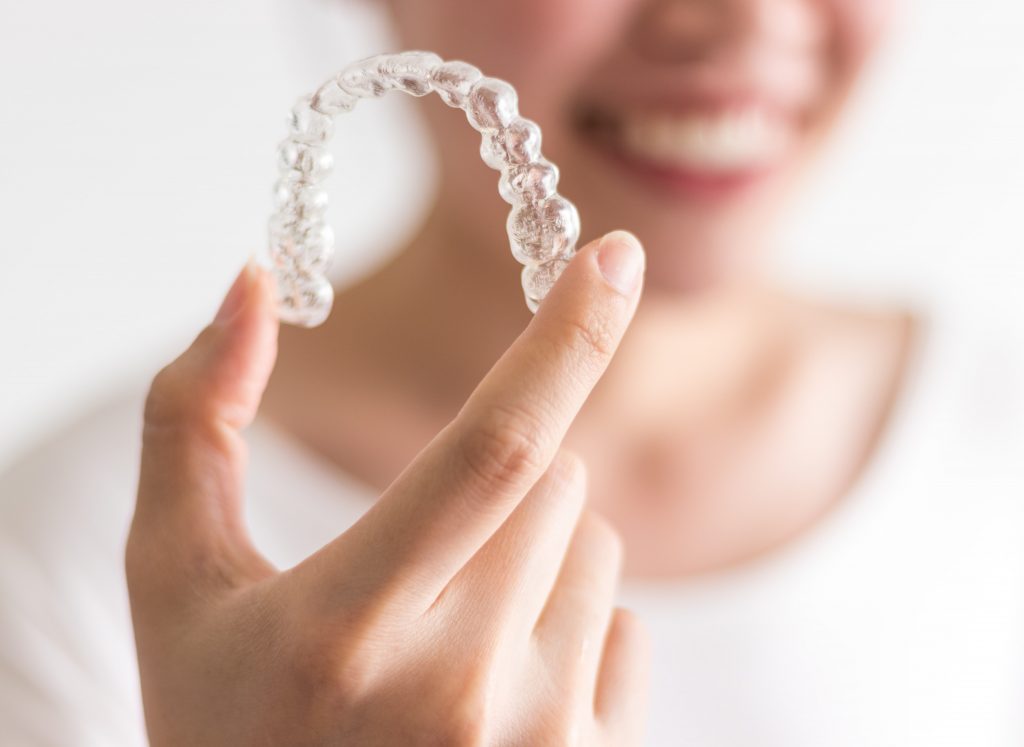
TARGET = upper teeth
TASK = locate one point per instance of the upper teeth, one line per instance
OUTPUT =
(717, 142)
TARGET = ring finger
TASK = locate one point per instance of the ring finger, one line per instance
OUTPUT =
(506, 584)
(572, 627)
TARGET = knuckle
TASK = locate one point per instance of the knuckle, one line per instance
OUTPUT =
(564, 484)
(631, 631)
(559, 727)
(602, 541)
(568, 469)
(506, 449)
(177, 389)
(170, 400)
(335, 658)
(467, 722)
(564, 731)
(338, 676)
(163, 398)
(592, 337)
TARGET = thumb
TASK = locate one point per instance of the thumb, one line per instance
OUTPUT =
(188, 518)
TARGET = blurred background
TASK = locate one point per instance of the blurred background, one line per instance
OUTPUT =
(138, 151)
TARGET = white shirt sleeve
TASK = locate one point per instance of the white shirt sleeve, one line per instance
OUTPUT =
(68, 672)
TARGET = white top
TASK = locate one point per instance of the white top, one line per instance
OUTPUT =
(898, 620)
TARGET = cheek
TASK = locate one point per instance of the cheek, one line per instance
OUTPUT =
(541, 46)
(859, 25)
(565, 35)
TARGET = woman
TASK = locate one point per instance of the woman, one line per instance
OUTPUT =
(816, 528)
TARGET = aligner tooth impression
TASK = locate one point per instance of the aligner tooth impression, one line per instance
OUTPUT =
(543, 227)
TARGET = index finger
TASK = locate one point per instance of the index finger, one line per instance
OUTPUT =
(455, 494)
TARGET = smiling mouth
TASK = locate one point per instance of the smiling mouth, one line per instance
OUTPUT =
(697, 150)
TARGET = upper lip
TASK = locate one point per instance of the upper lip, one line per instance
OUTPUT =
(597, 116)
(703, 88)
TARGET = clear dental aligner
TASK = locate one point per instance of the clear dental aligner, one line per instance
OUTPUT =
(543, 227)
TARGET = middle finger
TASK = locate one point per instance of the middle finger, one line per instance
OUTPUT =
(506, 584)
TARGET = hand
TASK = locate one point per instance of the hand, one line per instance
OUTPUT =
(472, 604)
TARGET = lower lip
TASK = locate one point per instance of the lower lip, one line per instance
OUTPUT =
(676, 181)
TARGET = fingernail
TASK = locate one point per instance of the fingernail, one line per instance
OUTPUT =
(235, 298)
(621, 259)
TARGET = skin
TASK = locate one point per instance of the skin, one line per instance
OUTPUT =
(728, 419)
(472, 604)
(736, 413)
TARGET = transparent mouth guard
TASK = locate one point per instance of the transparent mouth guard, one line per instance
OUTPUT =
(543, 227)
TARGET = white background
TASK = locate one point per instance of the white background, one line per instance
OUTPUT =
(137, 152)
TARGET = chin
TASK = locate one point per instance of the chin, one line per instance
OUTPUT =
(703, 191)
(692, 247)
(688, 269)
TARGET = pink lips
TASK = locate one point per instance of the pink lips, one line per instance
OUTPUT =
(676, 181)
(708, 152)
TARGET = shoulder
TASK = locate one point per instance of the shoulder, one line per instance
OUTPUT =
(78, 482)
(956, 455)
(973, 367)
(957, 402)
(967, 364)
(67, 658)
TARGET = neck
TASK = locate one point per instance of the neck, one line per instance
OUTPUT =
(443, 309)
(440, 311)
